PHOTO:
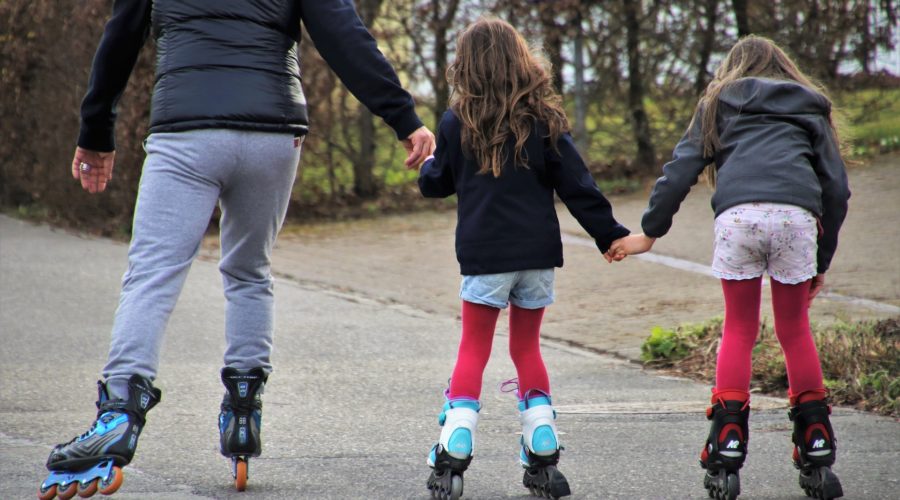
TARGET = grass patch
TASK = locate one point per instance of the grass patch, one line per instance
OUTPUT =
(860, 360)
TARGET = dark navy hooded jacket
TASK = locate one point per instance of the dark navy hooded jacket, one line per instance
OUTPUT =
(777, 147)
(234, 64)
(509, 223)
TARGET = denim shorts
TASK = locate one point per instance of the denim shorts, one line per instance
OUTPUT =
(755, 237)
(529, 289)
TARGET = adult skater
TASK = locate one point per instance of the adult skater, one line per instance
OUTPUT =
(227, 121)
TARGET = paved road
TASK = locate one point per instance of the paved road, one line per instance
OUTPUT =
(350, 410)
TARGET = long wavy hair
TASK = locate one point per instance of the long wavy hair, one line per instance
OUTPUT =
(499, 87)
(751, 56)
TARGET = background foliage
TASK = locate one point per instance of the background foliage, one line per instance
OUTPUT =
(629, 70)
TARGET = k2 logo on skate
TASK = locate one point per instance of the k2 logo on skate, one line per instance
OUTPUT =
(243, 388)
(818, 443)
(145, 400)
(732, 445)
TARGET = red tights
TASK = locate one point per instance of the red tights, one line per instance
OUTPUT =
(790, 304)
(479, 322)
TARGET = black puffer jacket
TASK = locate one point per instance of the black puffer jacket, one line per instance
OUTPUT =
(234, 64)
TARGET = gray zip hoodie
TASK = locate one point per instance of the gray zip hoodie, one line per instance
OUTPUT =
(777, 147)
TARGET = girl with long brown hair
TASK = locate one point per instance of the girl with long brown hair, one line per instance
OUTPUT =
(767, 136)
(504, 149)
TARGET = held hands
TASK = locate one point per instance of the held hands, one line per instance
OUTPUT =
(419, 146)
(93, 168)
(629, 245)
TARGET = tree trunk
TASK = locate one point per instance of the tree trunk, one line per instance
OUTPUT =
(582, 141)
(364, 185)
(740, 17)
(441, 26)
(707, 43)
(553, 41)
(646, 155)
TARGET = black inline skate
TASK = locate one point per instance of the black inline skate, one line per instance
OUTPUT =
(726, 447)
(452, 454)
(93, 462)
(540, 447)
(240, 419)
(814, 448)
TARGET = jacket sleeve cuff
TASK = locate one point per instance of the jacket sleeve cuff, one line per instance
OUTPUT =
(620, 231)
(100, 140)
(405, 124)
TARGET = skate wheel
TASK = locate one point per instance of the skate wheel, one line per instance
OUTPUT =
(456, 487)
(732, 487)
(111, 485)
(47, 494)
(89, 490)
(240, 474)
(67, 492)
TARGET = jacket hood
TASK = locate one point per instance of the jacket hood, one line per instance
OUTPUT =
(763, 95)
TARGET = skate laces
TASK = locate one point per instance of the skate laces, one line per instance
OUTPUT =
(511, 385)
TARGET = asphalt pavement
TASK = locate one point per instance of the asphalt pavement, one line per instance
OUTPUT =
(351, 409)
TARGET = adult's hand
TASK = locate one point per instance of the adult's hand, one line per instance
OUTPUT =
(93, 168)
(818, 283)
(419, 146)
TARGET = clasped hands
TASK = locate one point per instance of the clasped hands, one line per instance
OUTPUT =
(629, 245)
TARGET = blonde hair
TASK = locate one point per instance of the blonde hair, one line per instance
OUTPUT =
(751, 56)
(499, 87)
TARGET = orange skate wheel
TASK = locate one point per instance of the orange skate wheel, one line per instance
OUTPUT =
(47, 494)
(111, 486)
(68, 492)
(89, 490)
(240, 474)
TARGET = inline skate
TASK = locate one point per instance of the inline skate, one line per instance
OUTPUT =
(451, 456)
(726, 447)
(240, 419)
(93, 462)
(539, 453)
(814, 446)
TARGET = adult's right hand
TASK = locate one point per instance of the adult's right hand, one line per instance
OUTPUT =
(93, 168)
(419, 146)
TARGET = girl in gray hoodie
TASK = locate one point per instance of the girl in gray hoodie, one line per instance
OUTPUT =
(765, 135)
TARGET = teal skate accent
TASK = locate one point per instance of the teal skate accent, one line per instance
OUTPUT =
(535, 401)
(102, 426)
(543, 439)
(460, 442)
(457, 403)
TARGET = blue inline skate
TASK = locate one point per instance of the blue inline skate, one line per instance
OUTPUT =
(451, 456)
(93, 462)
(240, 420)
(540, 447)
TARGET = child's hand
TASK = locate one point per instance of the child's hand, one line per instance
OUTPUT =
(629, 245)
(818, 283)
(612, 256)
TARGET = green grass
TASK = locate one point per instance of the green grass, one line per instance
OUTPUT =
(871, 120)
(860, 360)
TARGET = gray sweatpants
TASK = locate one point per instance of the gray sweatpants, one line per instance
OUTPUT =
(250, 174)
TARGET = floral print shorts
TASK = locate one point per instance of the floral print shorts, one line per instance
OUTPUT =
(773, 237)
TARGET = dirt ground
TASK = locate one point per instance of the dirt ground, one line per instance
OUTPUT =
(408, 262)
